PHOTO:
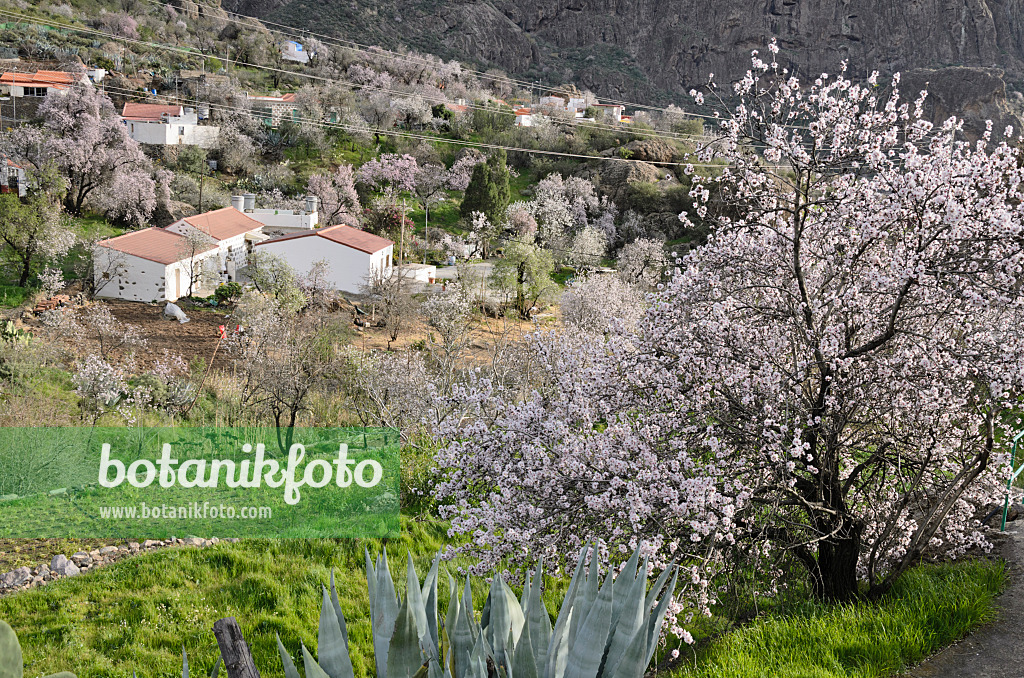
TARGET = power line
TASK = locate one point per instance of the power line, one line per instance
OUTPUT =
(438, 98)
(376, 51)
(423, 137)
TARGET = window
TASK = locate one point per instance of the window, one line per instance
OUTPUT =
(35, 91)
(181, 131)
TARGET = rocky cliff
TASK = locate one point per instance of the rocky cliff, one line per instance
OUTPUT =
(653, 50)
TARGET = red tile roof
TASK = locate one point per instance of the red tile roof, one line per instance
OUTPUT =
(287, 98)
(149, 112)
(153, 244)
(55, 79)
(224, 223)
(458, 108)
(523, 111)
(343, 235)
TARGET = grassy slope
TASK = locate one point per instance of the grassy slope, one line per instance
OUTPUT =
(929, 608)
(137, 614)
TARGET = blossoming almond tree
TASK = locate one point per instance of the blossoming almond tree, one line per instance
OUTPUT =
(827, 380)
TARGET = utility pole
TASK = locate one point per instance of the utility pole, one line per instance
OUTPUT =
(401, 238)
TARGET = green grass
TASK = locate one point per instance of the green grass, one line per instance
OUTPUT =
(137, 614)
(929, 608)
(12, 296)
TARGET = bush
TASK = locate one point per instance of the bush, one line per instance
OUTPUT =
(227, 292)
(644, 198)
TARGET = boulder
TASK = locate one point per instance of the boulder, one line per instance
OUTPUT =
(63, 567)
(613, 177)
(15, 578)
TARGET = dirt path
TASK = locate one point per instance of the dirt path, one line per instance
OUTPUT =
(993, 651)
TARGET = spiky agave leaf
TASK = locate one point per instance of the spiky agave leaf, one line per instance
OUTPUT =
(558, 645)
(585, 597)
(286, 660)
(313, 669)
(384, 614)
(587, 648)
(404, 655)
(658, 616)
(525, 658)
(631, 618)
(503, 615)
(184, 663)
(537, 620)
(414, 598)
(460, 631)
(429, 596)
(332, 647)
(337, 609)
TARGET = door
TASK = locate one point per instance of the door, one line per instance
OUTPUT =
(177, 283)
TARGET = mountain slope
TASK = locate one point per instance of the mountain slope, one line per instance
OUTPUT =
(654, 48)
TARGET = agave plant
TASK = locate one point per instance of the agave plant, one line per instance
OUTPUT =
(10, 655)
(603, 630)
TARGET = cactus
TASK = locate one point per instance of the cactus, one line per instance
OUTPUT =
(11, 334)
(10, 655)
(603, 630)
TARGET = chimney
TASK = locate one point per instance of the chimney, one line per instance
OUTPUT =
(250, 202)
(237, 202)
(311, 203)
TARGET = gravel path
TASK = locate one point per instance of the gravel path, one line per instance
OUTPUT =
(993, 651)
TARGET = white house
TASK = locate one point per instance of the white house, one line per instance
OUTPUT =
(524, 117)
(167, 125)
(612, 111)
(38, 84)
(233, 233)
(12, 177)
(150, 265)
(157, 264)
(279, 221)
(352, 255)
(294, 51)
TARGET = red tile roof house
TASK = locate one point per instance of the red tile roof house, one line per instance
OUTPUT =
(38, 84)
(12, 177)
(158, 264)
(353, 256)
(168, 125)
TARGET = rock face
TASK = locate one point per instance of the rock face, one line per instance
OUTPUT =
(642, 48)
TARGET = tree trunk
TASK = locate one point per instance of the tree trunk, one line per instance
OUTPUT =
(834, 577)
(234, 650)
(26, 269)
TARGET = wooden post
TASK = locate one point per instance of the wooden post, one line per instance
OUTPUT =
(234, 650)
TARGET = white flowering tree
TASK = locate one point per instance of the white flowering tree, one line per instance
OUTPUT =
(601, 303)
(824, 381)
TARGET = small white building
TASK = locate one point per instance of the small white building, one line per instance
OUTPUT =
(38, 84)
(524, 117)
(151, 265)
(12, 177)
(294, 51)
(353, 256)
(612, 111)
(232, 232)
(279, 221)
(168, 125)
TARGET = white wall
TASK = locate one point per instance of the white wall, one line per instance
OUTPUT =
(124, 276)
(285, 219)
(348, 267)
(168, 134)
